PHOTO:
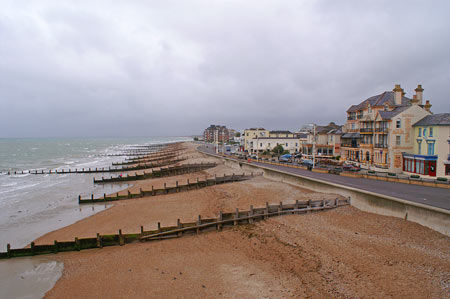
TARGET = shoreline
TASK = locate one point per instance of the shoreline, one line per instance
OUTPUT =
(268, 258)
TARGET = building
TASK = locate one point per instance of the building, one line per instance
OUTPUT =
(379, 130)
(327, 140)
(431, 156)
(216, 134)
(253, 133)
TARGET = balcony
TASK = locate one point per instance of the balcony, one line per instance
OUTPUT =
(381, 145)
(381, 130)
(351, 118)
(366, 130)
(354, 145)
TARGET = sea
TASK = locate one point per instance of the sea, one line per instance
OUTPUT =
(32, 205)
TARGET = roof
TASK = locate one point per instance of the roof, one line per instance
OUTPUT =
(280, 132)
(441, 119)
(254, 129)
(351, 135)
(379, 100)
(260, 138)
(301, 135)
(390, 114)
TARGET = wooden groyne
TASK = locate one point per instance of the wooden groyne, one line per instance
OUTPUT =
(145, 160)
(196, 184)
(101, 170)
(223, 220)
(163, 172)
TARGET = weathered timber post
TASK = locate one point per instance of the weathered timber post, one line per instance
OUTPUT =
(349, 199)
(79, 199)
(280, 208)
(32, 248)
(296, 206)
(165, 188)
(252, 173)
(309, 206)
(219, 225)
(199, 222)
(236, 217)
(323, 204)
(179, 226)
(121, 238)
(177, 190)
(232, 177)
(250, 214)
(141, 192)
(55, 246)
(153, 191)
(99, 241)
(266, 211)
(77, 244)
(197, 183)
(336, 202)
(215, 179)
(129, 193)
(8, 249)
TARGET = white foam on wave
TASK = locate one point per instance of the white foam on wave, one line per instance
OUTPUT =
(69, 162)
(20, 175)
(20, 187)
(9, 184)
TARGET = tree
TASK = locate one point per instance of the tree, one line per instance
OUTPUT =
(278, 150)
(195, 138)
(238, 134)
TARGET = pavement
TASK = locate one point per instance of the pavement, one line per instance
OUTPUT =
(432, 196)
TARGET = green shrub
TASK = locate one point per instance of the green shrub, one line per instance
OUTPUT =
(441, 179)
(391, 174)
(414, 176)
(371, 171)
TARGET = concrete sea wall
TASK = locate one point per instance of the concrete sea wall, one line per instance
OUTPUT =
(435, 218)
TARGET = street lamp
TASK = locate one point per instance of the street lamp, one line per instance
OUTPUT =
(314, 144)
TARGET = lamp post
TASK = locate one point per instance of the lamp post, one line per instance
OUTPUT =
(314, 145)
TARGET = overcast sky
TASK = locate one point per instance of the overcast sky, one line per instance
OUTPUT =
(156, 68)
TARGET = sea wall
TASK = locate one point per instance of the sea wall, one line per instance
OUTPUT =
(432, 217)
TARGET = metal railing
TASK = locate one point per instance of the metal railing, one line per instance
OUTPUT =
(381, 145)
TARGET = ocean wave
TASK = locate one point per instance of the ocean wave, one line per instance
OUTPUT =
(20, 187)
(20, 175)
(9, 184)
(69, 162)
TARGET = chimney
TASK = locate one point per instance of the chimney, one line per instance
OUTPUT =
(398, 94)
(427, 106)
(414, 100)
(419, 94)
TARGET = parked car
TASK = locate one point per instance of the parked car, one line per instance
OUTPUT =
(350, 167)
(307, 162)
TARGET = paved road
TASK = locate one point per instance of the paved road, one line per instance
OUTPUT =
(436, 197)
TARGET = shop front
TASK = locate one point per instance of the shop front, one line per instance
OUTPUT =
(420, 164)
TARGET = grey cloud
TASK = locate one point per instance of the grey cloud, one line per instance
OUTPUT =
(91, 68)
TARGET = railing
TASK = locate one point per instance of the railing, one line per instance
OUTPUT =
(382, 130)
(381, 145)
(351, 117)
(366, 130)
(349, 145)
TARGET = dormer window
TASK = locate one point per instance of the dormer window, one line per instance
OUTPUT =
(398, 123)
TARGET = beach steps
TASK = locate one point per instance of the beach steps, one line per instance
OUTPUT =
(162, 172)
(223, 220)
(100, 170)
(197, 184)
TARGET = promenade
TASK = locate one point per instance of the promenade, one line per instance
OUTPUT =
(436, 197)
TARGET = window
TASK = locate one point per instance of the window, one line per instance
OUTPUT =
(260, 144)
(430, 148)
(286, 144)
(420, 132)
(447, 169)
(419, 146)
(353, 126)
(431, 132)
(398, 123)
(398, 140)
(424, 132)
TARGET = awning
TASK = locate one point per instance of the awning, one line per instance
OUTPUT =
(351, 135)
